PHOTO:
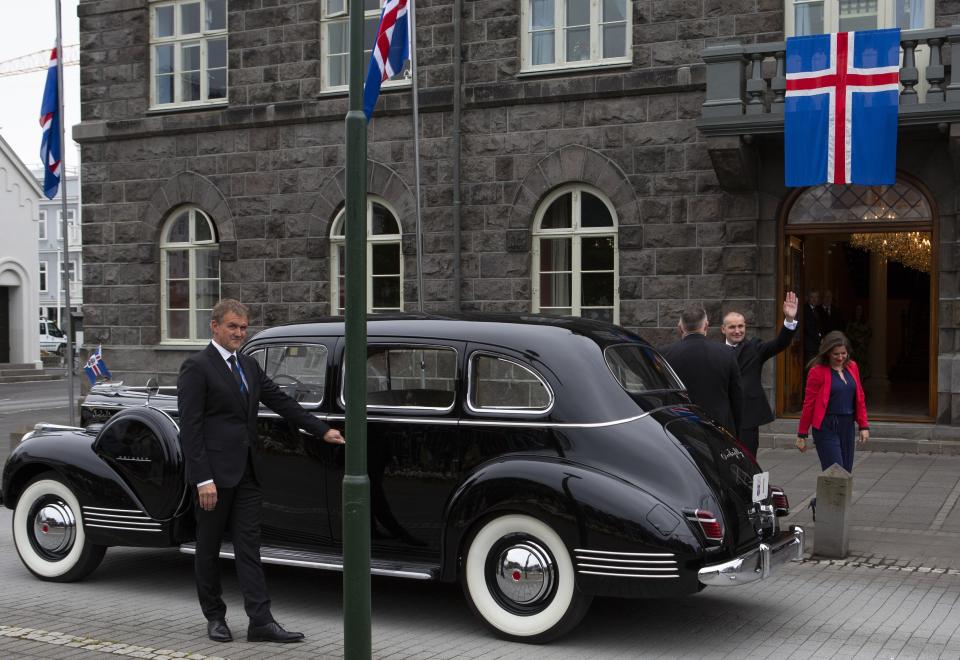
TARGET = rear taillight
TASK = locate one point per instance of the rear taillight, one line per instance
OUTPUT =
(781, 506)
(709, 524)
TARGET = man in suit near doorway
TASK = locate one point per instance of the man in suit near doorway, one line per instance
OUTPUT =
(830, 317)
(751, 354)
(812, 328)
(708, 370)
(218, 392)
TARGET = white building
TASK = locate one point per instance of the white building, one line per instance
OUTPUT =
(51, 242)
(19, 277)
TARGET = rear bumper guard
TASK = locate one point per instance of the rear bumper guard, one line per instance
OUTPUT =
(756, 564)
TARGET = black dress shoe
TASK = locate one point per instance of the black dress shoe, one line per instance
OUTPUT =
(217, 631)
(272, 632)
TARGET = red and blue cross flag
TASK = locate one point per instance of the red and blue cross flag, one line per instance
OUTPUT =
(390, 50)
(50, 148)
(95, 366)
(840, 115)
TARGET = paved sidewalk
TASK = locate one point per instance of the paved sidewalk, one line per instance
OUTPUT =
(905, 506)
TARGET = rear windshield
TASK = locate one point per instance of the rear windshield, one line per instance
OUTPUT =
(640, 369)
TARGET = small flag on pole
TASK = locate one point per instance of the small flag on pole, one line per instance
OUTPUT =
(390, 50)
(95, 366)
(50, 154)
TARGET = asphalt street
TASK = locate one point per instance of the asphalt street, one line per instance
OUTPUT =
(896, 596)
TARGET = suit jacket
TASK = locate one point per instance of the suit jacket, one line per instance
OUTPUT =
(710, 373)
(218, 424)
(817, 396)
(812, 330)
(831, 319)
(751, 354)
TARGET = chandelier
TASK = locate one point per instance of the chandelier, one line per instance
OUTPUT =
(910, 248)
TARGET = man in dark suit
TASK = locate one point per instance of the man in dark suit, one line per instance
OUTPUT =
(708, 370)
(751, 354)
(812, 328)
(830, 317)
(218, 392)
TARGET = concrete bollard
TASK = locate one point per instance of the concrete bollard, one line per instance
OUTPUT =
(831, 536)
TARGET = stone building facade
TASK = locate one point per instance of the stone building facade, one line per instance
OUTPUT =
(692, 218)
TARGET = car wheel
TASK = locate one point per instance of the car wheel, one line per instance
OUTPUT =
(48, 532)
(518, 578)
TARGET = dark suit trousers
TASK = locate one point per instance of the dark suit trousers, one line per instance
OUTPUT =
(750, 438)
(237, 509)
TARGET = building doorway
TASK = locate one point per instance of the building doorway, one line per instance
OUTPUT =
(869, 254)
(4, 325)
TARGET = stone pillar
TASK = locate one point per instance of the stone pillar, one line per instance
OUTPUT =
(877, 319)
(831, 537)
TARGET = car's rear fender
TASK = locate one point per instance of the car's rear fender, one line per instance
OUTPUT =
(595, 513)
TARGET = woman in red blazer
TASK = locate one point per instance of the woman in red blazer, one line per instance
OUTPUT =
(832, 402)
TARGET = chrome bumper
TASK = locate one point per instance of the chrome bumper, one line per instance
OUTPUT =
(756, 564)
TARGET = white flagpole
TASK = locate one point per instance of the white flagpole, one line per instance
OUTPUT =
(411, 39)
(63, 279)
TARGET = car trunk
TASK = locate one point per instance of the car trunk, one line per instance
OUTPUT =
(727, 469)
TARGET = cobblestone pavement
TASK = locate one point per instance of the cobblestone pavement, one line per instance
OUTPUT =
(897, 597)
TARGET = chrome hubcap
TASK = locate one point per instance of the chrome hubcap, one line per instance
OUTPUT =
(55, 528)
(525, 573)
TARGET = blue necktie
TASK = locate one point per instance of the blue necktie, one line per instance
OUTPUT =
(235, 370)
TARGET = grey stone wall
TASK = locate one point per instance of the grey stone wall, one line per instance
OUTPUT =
(269, 167)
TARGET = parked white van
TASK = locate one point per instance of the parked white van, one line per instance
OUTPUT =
(52, 338)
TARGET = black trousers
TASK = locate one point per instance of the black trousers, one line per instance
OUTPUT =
(750, 438)
(237, 510)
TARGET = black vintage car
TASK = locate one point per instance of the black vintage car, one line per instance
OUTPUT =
(539, 461)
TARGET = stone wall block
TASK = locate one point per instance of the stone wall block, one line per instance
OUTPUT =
(637, 262)
(670, 236)
(667, 287)
(678, 261)
(639, 313)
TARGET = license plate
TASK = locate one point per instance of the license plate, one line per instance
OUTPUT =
(761, 486)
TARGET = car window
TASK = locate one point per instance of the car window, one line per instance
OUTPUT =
(411, 377)
(497, 383)
(639, 368)
(300, 370)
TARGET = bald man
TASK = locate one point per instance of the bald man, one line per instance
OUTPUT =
(751, 354)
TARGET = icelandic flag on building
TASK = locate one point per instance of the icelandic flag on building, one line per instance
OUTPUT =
(95, 366)
(50, 153)
(390, 50)
(840, 123)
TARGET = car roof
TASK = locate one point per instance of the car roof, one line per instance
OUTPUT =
(493, 328)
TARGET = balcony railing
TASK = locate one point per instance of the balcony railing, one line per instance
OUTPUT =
(746, 84)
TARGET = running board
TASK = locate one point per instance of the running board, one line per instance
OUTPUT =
(327, 561)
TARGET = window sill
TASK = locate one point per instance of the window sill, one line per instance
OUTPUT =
(384, 89)
(183, 107)
(170, 346)
(566, 69)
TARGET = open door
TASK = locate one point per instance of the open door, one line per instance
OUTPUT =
(790, 368)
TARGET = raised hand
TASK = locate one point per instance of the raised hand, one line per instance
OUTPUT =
(790, 306)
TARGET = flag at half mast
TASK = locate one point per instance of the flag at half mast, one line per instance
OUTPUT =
(390, 50)
(840, 115)
(50, 147)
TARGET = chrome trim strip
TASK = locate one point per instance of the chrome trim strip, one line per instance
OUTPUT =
(552, 425)
(329, 566)
(627, 554)
(114, 515)
(100, 508)
(125, 529)
(93, 519)
(756, 564)
(630, 568)
(48, 426)
(652, 577)
(612, 562)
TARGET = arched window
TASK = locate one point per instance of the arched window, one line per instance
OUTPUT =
(575, 255)
(384, 260)
(190, 275)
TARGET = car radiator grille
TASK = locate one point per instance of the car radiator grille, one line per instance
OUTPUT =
(128, 520)
(656, 565)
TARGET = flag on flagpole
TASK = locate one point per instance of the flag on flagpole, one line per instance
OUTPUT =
(840, 116)
(390, 50)
(95, 366)
(50, 154)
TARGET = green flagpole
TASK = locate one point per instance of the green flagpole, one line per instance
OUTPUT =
(356, 483)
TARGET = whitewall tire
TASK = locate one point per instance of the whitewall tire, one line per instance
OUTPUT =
(48, 532)
(518, 578)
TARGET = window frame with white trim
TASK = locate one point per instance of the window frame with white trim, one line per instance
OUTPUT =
(173, 39)
(549, 34)
(42, 224)
(380, 244)
(198, 249)
(334, 43)
(42, 277)
(576, 233)
(889, 14)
